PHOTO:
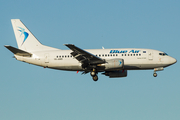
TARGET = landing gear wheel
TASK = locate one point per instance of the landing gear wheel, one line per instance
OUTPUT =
(95, 78)
(155, 74)
(93, 73)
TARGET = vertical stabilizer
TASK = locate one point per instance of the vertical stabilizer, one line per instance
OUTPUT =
(25, 39)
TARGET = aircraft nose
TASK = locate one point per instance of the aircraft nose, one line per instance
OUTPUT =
(173, 60)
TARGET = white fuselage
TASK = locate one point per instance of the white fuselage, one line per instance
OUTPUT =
(134, 58)
(112, 62)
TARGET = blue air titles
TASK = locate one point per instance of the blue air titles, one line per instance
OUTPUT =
(124, 51)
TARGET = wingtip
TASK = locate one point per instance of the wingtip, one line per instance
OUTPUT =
(67, 44)
(6, 46)
(15, 19)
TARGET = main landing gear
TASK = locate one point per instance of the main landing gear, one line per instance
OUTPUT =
(94, 75)
(95, 78)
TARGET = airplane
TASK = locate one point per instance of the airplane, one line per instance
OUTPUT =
(113, 62)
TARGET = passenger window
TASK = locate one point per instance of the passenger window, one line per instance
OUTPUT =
(139, 54)
(122, 54)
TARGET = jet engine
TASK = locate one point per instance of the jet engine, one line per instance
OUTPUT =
(114, 64)
(114, 74)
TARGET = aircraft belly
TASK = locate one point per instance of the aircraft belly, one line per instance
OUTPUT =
(143, 66)
(69, 68)
(31, 60)
(66, 65)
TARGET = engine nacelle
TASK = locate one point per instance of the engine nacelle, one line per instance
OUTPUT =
(114, 74)
(114, 64)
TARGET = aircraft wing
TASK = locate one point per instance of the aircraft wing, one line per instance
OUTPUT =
(84, 56)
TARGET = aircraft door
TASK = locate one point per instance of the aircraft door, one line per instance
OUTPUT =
(46, 60)
(150, 55)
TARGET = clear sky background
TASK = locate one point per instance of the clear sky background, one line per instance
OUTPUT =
(29, 92)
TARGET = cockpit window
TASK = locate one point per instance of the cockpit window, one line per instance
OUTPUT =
(163, 54)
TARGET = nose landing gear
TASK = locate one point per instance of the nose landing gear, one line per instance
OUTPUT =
(155, 74)
(157, 69)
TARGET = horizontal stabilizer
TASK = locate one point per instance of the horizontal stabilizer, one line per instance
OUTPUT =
(18, 51)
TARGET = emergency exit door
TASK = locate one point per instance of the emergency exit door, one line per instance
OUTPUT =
(46, 60)
(150, 55)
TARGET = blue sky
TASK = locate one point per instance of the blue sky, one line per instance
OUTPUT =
(29, 92)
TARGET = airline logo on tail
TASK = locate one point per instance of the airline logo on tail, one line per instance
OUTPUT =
(22, 30)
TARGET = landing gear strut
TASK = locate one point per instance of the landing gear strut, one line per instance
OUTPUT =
(157, 69)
